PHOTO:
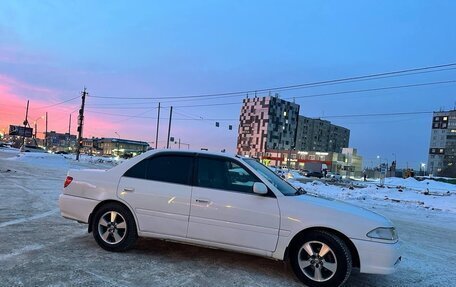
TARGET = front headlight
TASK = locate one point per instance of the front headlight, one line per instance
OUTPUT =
(385, 233)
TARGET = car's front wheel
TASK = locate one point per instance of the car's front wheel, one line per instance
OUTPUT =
(319, 258)
(114, 228)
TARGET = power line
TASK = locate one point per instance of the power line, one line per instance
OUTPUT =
(309, 96)
(297, 86)
(374, 89)
(121, 115)
(56, 104)
(378, 114)
(334, 93)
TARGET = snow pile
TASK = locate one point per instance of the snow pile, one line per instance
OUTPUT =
(434, 197)
(431, 185)
(64, 161)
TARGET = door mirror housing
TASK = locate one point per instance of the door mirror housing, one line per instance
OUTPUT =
(260, 188)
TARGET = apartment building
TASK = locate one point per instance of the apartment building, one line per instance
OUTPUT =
(271, 124)
(442, 146)
(266, 123)
(321, 135)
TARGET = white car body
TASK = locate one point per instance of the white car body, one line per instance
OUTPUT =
(248, 223)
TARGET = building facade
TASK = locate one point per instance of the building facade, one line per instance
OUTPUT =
(60, 141)
(271, 124)
(321, 135)
(442, 146)
(121, 147)
(347, 163)
(266, 123)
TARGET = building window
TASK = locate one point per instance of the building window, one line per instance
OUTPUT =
(445, 119)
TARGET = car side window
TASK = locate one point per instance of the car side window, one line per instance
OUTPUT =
(225, 175)
(138, 170)
(170, 168)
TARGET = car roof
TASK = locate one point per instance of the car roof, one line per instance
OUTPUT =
(197, 152)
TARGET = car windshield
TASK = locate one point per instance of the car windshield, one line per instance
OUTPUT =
(284, 187)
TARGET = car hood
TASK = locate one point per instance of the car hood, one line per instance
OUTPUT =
(311, 211)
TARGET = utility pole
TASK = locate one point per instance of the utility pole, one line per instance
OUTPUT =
(169, 126)
(80, 124)
(46, 133)
(25, 124)
(69, 132)
(158, 125)
(69, 126)
(179, 143)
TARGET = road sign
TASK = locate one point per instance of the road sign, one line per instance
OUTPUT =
(20, 131)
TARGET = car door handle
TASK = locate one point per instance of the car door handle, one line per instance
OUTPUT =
(129, 189)
(202, 201)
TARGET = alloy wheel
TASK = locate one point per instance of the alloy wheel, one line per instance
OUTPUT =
(317, 261)
(112, 227)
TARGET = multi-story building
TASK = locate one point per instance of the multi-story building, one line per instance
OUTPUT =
(121, 147)
(59, 141)
(113, 147)
(442, 147)
(267, 123)
(320, 135)
(270, 124)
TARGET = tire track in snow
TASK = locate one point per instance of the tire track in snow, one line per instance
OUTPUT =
(105, 279)
(37, 246)
(25, 219)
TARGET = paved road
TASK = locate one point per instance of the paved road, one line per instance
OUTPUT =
(39, 248)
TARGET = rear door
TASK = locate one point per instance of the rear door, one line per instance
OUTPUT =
(159, 191)
(225, 210)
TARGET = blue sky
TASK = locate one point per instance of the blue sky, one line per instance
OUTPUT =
(49, 50)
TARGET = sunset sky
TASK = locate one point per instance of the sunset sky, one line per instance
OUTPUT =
(50, 50)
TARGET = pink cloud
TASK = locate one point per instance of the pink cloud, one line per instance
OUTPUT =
(13, 100)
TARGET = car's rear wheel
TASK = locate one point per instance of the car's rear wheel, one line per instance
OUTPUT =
(319, 258)
(114, 227)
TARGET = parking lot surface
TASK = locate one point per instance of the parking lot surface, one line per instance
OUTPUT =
(40, 248)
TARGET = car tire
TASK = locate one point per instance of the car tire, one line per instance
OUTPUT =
(114, 228)
(320, 259)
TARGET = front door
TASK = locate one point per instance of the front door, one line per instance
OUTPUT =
(225, 210)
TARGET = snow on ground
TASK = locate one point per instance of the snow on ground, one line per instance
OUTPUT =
(61, 161)
(40, 248)
(404, 192)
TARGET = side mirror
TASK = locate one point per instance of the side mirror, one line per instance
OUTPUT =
(260, 188)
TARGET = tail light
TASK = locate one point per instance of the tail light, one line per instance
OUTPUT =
(68, 180)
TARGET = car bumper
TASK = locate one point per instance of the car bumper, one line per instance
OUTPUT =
(76, 208)
(378, 258)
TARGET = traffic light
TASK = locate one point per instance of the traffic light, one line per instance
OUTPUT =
(217, 124)
(230, 127)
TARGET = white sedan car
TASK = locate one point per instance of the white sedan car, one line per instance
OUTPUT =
(232, 203)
